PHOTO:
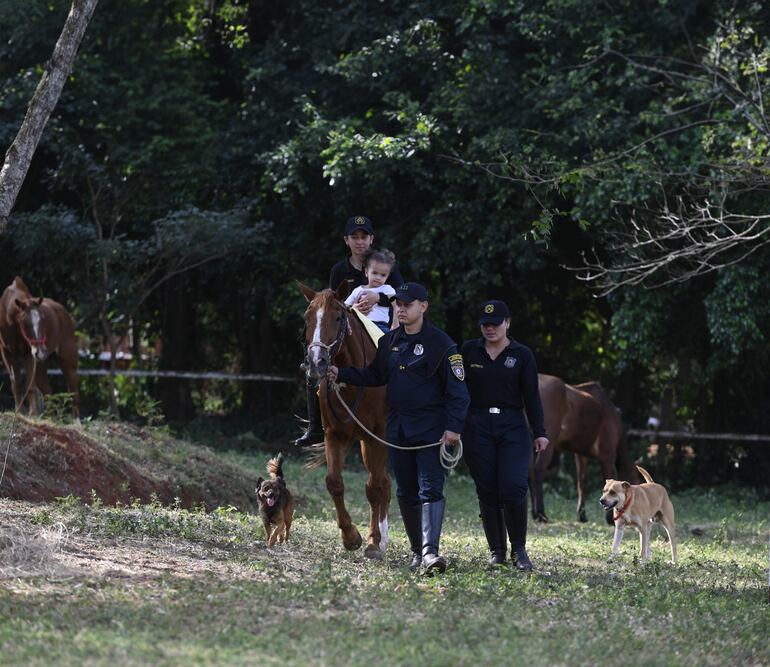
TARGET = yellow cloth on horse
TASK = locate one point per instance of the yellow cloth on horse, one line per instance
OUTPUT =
(375, 333)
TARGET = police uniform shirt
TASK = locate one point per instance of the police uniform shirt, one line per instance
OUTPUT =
(508, 382)
(344, 270)
(426, 391)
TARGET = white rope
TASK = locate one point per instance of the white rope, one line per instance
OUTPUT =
(448, 459)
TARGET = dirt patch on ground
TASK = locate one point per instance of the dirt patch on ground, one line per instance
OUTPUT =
(58, 555)
(117, 463)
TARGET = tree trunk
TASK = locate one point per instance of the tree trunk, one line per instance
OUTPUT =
(19, 155)
(178, 350)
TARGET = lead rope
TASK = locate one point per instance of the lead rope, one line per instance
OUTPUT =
(448, 459)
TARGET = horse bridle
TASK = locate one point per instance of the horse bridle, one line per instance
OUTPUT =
(336, 344)
(332, 350)
(32, 342)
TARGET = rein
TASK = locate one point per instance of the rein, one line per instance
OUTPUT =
(623, 509)
(448, 460)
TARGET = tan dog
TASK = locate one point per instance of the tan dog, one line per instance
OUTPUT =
(639, 505)
(276, 504)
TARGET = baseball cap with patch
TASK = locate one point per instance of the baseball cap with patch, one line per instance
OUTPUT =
(359, 222)
(493, 312)
(409, 292)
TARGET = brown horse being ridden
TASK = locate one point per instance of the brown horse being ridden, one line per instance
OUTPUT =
(580, 419)
(334, 334)
(31, 330)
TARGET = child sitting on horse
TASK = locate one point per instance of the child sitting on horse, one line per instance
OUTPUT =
(377, 268)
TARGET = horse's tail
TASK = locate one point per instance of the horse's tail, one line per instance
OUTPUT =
(275, 467)
(316, 455)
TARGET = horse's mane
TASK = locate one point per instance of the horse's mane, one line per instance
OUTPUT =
(325, 297)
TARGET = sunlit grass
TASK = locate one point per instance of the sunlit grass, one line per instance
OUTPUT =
(213, 593)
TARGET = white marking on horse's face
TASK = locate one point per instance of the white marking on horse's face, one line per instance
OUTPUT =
(384, 533)
(315, 351)
(35, 316)
(39, 351)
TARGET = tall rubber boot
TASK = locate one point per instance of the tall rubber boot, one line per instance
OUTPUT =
(494, 529)
(412, 518)
(314, 433)
(516, 523)
(432, 518)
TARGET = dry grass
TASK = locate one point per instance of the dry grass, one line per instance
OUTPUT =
(30, 551)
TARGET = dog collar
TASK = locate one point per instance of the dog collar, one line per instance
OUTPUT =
(623, 509)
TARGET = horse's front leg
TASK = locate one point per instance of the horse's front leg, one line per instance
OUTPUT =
(581, 464)
(537, 467)
(375, 456)
(28, 386)
(335, 450)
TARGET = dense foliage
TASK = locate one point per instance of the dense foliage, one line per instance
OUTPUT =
(206, 154)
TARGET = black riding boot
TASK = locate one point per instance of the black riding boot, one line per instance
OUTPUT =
(412, 517)
(432, 518)
(314, 433)
(516, 523)
(494, 529)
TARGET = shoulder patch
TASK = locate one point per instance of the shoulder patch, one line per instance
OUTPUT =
(456, 364)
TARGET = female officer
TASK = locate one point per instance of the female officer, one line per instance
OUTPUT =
(428, 401)
(502, 381)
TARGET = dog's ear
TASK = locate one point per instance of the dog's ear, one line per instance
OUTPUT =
(259, 483)
(626, 486)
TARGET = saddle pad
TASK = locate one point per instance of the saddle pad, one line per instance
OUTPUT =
(375, 333)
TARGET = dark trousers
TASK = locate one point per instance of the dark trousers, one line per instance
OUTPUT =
(419, 474)
(497, 449)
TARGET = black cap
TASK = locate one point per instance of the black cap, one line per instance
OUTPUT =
(359, 222)
(493, 312)
(409, 292)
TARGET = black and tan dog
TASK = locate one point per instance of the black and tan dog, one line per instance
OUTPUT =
(639, 505)
(276, 504)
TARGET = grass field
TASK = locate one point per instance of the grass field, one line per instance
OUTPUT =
(96, 585)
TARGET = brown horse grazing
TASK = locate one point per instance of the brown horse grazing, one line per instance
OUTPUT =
(580, 419)
(334, 334)
(31, 330)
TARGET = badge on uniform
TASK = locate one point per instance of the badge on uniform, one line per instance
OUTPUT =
(456, 364)
(510, 362)
(418, 349)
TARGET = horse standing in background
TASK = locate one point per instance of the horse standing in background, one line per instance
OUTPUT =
(580, 419)
(31, 330)
(335, 335)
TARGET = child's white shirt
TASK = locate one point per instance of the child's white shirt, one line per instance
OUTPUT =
(378, 313)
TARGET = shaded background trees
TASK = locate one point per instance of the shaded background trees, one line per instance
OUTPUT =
(492, 143)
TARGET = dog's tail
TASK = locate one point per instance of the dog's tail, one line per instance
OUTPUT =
(275, 467)
(645, 474)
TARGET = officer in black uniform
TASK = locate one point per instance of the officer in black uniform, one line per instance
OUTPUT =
(502, 381)
(428, 401)
(359, 236)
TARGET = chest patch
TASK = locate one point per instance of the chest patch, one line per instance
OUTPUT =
(510, 362)
(456, 364)
(418, 349)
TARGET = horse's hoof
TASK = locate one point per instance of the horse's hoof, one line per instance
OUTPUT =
(582, 516)
(374, 552)
(353, 541)
(542, 518)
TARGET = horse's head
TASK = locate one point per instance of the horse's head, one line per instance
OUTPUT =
(326, 325)
(33, 325)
